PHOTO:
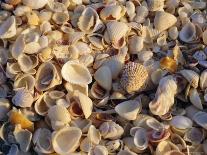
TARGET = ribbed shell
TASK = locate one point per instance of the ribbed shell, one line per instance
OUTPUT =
(134, 77)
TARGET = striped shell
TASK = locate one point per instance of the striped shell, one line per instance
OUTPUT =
(134, 77)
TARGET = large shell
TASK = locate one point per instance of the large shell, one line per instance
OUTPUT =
(35, 4)
(48, 76)
(66, 140)
(188, 33)
(4, 108)
(8, 28)
(191, 76)
(141, 139)
(160, 22)
(131, 80)
(129, 109)
(76, 73)
(200, 119)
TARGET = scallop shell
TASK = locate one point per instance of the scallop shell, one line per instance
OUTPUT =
(8, 28)
(195, 98)
(141, 139)
(103, 77)
(98, 150)
(188, 33)
(155, 5)
(191, 76)
(4, 108)
(60, 17)
(66, 140)
(35, 4)
(47, 76)
(160, 20)
(42, 140)
(23, 98)
(94, 135)
(116, 33)
(129, 109)
(76, 73)
(204, 36)
(200, 119)
(111, 12)
(131, 80)
(136, 44)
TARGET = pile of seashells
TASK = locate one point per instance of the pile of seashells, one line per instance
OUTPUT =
(103, 77)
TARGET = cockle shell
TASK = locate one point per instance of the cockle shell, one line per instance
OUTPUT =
(129, 109)
(200, 119)
(23, 98)
(98, 150)
(4, 108)
(188, 33)
(42, 140)
(131, 80)
(195, 98)
(136, 44)
(141, 139)
(76, 73)
(35, 4)
(203, 80)
(204, 36)
(160, 22)
(8, 28)
(191, 76)
(94, 135)
(111, 12)
(155, 5)
(66, 140)
(111, 130)
(47, 76)
(116, 33)
(103, 77)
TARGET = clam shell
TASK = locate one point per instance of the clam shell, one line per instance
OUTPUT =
(129, 109)
(21, 10)
(40, 106)
(179, 141)
(94, 135)
(203, 80)
(136, 44)
(141, 139)
(200, 119)
(155, 5)
(35, 4)
(66, 140)
(204, 36)
(103, 77)
(188, 33)
(25, 62)
(8, 28)
(181, 122)
(3, 56)
(131, 80)
(191, 76)
(86, 145)
(83, 124)
(72, 87)
(76, 73)
(160, 22)
(129, 143)
(174, 152)
(195, 98)
(13, 2)
(98, 150)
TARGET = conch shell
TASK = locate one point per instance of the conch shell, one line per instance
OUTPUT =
(8, 28)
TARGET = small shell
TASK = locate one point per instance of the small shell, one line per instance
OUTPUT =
(113, 145)
(173, 152)
(203, 80)
(45, 54)
(157, 75)
(94, 135)
(3, 56)
(136, 44)
(23, 98)
(8, 28)
(195, 98)
(179, 141)
(191, 76)
(35, 4)
(204, 36)
(141, 14)
(66, 140)
(18, 46)
(173, 33)
(60, 17)
(83, 124)
(129, 109)
(141, 139)
(32, 48)
(200, 119)
(131, 80)
(4, 108)
(25, 62)
(98, 150)
(160, 22)
(188, 33)
(72, 87)
(155, 5)
(103, 77)
(21, 10)
(111, 12)
(76, 73)
(85, 145)
(98, 92)
(144, 56)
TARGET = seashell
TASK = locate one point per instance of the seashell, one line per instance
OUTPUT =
(86, 145)
(60, 17)
(111, 12)
(94, 135)
(116, 33)
(188, 33)
(155, 5)
(82, 48)
(129, 143)
(145, 55)
(89, 20)
(45, 54)
(32, 18)
(141, 139)
(113, 145)
(195, 98)
(103, 77)
(4, 108)
(194, 136)
(98, 92)
(21, 10)
(83, 124)
(42, 140)
(16, 117)
(155, 137)
(164, 147)
(98, 150)
(8, 28)
(111, 130)
(60, 139)
(86, 60)
(173, 33)
(35, 5)
(131, 80)
(203, 80)
(191, 76)
(23, 138)
(160, 20)
(12, 69)
(18, 46)
(23, 98)
(141, 14)
(47, 76)
(130, 8)
(129, 109)
(136, 44)
(59, 116)
(72, 87)
(97, 41)
(3, 56)
(25, 62)
(200, 56)
(154, 124)
(76, 73)
(157, 75)
(200, 119)
(45, 15)
(14, 150)
(204, 36)
(32, 48)
(190, 111)
(126, 152)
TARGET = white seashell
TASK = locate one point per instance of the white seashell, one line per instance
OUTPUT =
(136, 44)
(59, 116)
(191, 76)
(82, 124)
(160, 22)
(181, 122)
(18, 46)
(45, 27)
(98, 150)
(12, 69)
(173, 32)
(129, 109)
(145, 55)
(42, 140)
(188, 33)
(8, 28)
(203, 80)
(165, 146)
(204, 36)
(45, 15)
(76, 73)
(66, 140)
(86, 60)
(43, 41)
(141, 139)
(40, 106)
(25, 62)
(157, 75)
(23, 138)
(103, 77)
(4, 108)
(195, 98)
(155, 5)
(200, 119)
(35, 4)
(94, 135)
(130, 8)
(82, 48)
(23, 98)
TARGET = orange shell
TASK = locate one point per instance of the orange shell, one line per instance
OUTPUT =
(169, 64)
